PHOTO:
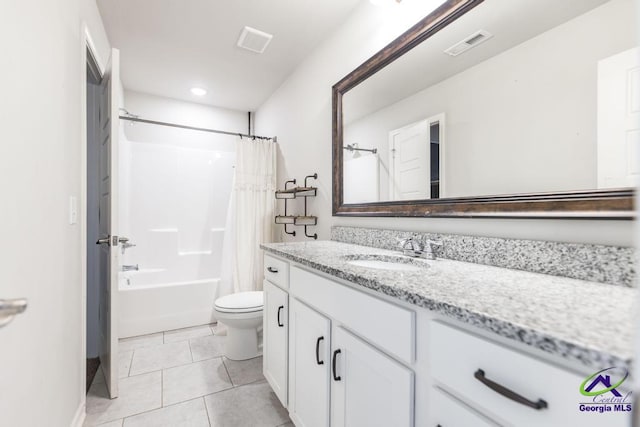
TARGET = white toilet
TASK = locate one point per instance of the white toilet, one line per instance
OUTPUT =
(242, 314)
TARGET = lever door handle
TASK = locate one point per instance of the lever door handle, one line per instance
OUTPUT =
(104, 241)
(9, 308)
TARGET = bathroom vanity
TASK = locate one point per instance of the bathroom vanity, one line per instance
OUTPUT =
(403, 342)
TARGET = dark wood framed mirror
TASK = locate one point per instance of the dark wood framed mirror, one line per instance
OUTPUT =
(474, 146)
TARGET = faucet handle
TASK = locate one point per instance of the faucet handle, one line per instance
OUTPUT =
(434, 242)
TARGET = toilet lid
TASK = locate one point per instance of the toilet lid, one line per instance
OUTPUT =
(241, 302)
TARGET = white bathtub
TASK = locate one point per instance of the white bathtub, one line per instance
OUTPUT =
(146, 307)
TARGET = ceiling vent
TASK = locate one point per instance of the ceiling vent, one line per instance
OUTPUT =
(254, 40)
(473, 40)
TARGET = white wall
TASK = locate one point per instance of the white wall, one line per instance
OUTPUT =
(299, 113)
(528, 114)
(175, 187)
(40, 161)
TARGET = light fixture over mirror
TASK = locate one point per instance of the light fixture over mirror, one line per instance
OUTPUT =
(495, 109)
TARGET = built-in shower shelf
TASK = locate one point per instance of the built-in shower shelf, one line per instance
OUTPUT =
(292, 193)
(188, 253)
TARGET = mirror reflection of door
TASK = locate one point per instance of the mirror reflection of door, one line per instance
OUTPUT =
(415, 160)
(619, 120)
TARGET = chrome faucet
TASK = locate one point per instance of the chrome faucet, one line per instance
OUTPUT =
(414, 248)
(130, 267)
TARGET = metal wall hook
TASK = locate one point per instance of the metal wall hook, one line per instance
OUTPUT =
(314, 176)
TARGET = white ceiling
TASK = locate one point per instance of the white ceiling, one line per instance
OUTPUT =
(511, 23)
(169, 46)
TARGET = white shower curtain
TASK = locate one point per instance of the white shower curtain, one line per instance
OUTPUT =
(250, 216)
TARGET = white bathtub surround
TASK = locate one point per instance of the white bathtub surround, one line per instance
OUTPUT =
(251, 213)
(173, 305)
(175, 186)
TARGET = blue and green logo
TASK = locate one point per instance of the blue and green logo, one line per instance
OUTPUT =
(602, 388)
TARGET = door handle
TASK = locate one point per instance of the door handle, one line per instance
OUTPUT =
(280, 311)
(104, 241)
(9, 308)
(318, 361)
(335, 355)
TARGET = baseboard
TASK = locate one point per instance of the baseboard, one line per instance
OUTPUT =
(81, 413)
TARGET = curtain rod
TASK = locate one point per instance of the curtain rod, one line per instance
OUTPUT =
(175, 125)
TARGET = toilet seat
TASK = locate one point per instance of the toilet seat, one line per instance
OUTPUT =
(241, 302)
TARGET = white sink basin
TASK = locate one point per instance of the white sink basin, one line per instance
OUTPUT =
(384, 265)
(386, 262)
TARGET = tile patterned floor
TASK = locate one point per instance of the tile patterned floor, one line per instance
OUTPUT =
(181, 378)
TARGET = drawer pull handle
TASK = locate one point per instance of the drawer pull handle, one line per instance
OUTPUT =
(272, 270)
(509, 394)
(318, 361)
(335, 355)
(280, 311)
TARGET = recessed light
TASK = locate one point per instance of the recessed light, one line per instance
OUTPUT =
(198, 91)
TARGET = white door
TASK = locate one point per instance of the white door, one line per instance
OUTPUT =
(275, 333)
(409, 162)
(619, 120)
(368, 388)
(309, 363)
(108, 223)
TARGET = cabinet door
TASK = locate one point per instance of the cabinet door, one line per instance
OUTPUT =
(275, 332)
(368, 388)
(309, 352)
(449, 412)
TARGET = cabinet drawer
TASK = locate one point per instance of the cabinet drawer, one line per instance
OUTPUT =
(466, 363)
(450, 412)
(388, 326)
(276, 271)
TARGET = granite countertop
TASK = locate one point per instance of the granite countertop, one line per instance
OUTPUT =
(581, 321)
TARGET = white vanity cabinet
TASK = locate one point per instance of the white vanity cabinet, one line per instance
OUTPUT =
(336, 377)
(341, 357)
(368, 388)
(275, 339)
(507, 386)
(310, 364)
